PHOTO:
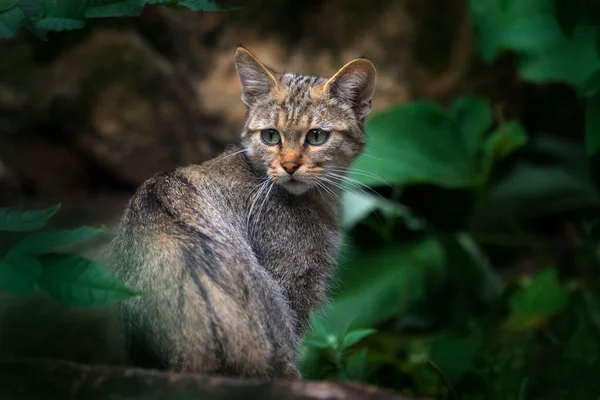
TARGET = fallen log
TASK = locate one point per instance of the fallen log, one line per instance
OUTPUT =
(63, 380)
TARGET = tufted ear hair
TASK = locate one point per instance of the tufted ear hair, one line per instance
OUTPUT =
(257, 79)
(354, 83)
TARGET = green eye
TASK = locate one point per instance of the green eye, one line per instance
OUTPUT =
(317, 137)
(270, 137)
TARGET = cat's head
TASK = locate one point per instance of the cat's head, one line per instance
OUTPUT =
(303, 130)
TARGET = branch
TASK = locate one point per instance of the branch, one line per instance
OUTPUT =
(49, 379)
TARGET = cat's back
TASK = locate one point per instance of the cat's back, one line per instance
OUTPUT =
(213, 193)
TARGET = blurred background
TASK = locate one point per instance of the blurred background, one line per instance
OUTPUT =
(471, 265)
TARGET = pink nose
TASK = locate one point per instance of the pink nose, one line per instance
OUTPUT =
(290, 167)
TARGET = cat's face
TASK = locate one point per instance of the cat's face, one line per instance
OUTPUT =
(304, 131)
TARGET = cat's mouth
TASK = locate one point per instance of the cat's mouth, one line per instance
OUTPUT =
(295, 185)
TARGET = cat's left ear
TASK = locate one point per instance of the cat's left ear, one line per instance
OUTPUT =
(354, 83)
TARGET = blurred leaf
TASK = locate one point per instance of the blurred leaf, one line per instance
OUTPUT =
(318, 328)
(468, 286)
(592, 85)
(502, 142)
(19, 268)
(592, 125)
(358, 205)
(532, 189)
(419, 142)
(318, 343)
(471, 117)
(453, 353)
(506, 4)
(7, 4)
(356, 366)
(60, 24)
(541, 298)
(77, 280)
(12, 220)
(380, 283)
(530, 29)
(116, 8)
(356, 336)
(207, 5)
(19, 274)
(43, 242)
(566, 14)
(29, 8)
(10, 21)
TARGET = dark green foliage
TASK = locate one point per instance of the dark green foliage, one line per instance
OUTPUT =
(74, 279)
(487, 309)
(41, 16)
(33, 262)
(555, 40)
(451, 148)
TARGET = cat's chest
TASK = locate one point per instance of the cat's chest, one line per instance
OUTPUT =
(296, 233)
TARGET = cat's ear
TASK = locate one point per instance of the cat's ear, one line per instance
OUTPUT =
(257, 79)
(354, 83)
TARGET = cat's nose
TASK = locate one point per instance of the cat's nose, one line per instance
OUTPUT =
(290, 167)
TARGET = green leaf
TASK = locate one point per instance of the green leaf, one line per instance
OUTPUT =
(116, 8)
(471, 116)
(592, 125)
(592, 85)
(419, 142)
(356, 336)
(566, 13)
(320, 344)
(530, 29)
(356, 366)
(19, 274)
(380, 283)
(77, 280)
(502, 142)
(10, 21)
(12, 220)
(318, 327)
(358, 205)
(530, 190)
(453, 352)
(44, 242)
(207, 5)
(7, 4)
(541, 298)
(506, 4)
(30, 8)
(60, 24)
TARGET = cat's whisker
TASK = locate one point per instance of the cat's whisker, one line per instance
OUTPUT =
(231, 155)
(366, 154)
(263, 202)
(331, 193)
(336, 185)
(255, 197)
(359, 172)
(354, 183)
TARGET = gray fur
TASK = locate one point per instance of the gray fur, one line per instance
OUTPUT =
(235, 253)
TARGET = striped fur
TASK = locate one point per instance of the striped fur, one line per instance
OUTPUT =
(235, 253)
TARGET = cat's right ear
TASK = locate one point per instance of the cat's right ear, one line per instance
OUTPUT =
(257, 80)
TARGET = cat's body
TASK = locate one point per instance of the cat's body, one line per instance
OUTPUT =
(235, 253)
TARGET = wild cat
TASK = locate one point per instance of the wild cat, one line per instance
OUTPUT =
(235, 253)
